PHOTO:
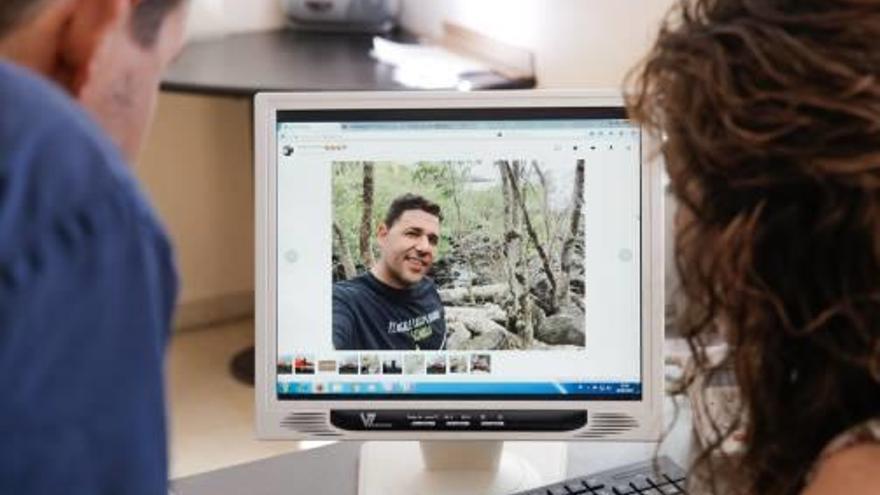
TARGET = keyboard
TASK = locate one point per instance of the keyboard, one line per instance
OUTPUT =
(633, 479)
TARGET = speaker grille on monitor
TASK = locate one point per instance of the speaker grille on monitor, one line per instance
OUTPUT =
(310, 423)
(604, 425)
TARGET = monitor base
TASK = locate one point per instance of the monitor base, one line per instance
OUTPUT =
(458, 467)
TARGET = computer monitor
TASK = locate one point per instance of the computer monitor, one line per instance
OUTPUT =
(529, 307)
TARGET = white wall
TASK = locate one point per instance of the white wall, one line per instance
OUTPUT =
(212, 18)
(577, 43)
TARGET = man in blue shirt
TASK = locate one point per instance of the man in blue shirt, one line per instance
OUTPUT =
(87, 284)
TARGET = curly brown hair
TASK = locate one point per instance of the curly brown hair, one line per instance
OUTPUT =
(768, 112)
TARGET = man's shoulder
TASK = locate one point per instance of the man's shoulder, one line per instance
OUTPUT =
(56, 159)
(427, 287)
(33, 109)
(351, 287)
(39, 120)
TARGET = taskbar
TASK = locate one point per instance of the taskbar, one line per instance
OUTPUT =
(414, 390)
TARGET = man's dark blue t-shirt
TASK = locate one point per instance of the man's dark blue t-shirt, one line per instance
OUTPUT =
(368, 314)
(87, 287)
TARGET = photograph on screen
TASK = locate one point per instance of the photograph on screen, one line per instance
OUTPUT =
(391, 365)
(370, 364)
(327, 366)
(304, 365)
(458, 364)
(437, 364)
(349, 365)
(481, 363)
(414, 364)
(284, 365)
(468, 255)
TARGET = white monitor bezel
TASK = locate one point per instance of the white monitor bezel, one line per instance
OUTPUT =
(644, 417)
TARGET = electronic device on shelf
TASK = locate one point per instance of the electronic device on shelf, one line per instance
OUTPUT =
(369, 16)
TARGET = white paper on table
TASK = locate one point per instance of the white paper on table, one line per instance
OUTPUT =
(425, 66)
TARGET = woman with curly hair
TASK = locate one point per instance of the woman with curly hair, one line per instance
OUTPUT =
(768, 112)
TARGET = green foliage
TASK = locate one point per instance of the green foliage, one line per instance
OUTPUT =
(467, 206)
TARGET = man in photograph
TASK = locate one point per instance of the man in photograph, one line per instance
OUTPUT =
(395, 305)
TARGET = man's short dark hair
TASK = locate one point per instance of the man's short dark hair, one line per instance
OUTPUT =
(13, 12)
(146, 19)
(410, 202)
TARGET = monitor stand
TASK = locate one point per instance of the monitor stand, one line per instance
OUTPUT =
(458, 467)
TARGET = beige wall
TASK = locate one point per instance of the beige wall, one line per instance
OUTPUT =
(197, 169)
(577, 43)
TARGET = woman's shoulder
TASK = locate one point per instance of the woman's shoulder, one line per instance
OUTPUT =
(850, 464)
(854, 470)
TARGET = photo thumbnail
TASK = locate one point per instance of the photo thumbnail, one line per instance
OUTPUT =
(370, 364)
(414, 364)
(436, 364)
(348, 365)
(481, 363)
(458, 364)
(304, 364)
(392, 365)
(284, 366)
(327, 366)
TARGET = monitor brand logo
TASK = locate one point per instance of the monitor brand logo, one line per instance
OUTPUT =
(368, 419)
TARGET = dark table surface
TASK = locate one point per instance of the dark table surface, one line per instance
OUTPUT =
(286, 60)
(282, 60)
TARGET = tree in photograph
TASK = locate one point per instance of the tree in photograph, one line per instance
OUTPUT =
(366, 229)
(520, 202)
(545, 206)
(520, 313)
(577, 202)
(511, 239)
(342, 253)
(347, 178)
(447, 178)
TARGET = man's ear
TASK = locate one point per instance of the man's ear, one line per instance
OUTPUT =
(381, 232)
(89, 29)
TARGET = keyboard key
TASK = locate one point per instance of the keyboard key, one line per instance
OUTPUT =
(674, 479)
(669, 489)
(593, 483)
(623, 489)
(576, 487)
(640, 484)
(602, 491)
(557, 490)
(651, 491)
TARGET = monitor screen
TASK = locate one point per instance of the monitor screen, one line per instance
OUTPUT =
(463, 254)
(482, 265)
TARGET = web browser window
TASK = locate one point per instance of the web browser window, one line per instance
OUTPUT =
(470, 255)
